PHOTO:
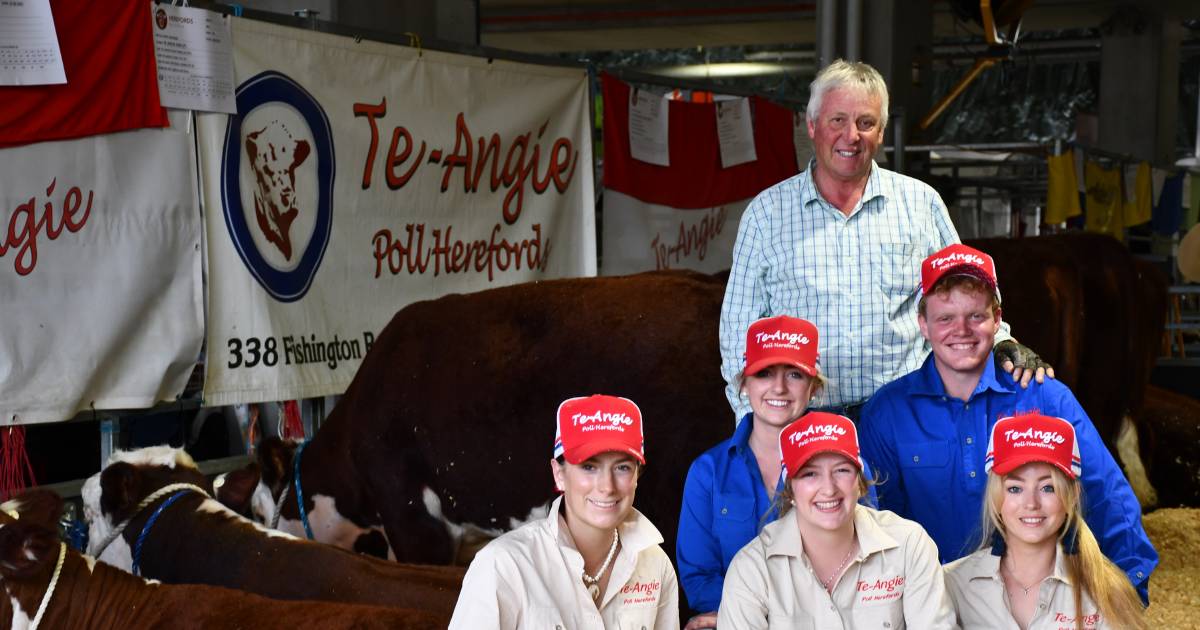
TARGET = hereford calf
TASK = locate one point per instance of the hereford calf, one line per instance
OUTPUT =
(196, 540)
(88, 595)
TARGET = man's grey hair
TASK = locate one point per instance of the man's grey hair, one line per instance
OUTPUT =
(847, 74)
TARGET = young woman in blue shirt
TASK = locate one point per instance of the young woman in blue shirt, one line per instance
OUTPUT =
(729, 489)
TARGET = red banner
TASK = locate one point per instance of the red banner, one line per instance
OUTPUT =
(695, 178)
(108, 56)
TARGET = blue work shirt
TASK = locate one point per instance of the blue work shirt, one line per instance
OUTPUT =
(724, 506)
(927, 449)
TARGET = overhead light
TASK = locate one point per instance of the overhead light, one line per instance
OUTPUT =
(780, 55)
(730, 69)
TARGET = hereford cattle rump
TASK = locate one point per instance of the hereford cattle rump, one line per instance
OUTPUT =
(1089, 309)
(91, 595)
(196, 540)
(458, 395)
(1169, 428)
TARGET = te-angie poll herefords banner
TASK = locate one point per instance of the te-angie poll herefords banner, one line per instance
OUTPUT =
(359, 177)
(100, 274)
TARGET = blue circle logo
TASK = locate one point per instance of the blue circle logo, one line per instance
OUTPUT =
(277, 176)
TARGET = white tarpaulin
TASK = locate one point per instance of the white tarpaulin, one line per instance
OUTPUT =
(100, 265)
(359, 177)
(639, 235)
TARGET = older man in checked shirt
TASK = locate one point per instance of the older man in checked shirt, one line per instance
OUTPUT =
(840, 245)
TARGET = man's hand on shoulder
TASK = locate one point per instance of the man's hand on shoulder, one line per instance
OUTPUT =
(1023, 363)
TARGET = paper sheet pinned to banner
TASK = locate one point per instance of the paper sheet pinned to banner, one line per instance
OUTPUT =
(648, 120)
(29, 52)
(735, 132)
(800, 139)
(194, 51)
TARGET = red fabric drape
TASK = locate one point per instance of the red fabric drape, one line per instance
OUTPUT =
(695, 178)
(108, 56)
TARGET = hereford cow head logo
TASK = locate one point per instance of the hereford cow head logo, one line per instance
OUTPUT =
(274, 155)
(277, 183)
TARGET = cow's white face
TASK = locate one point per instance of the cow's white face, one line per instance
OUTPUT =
(274, 154)
(100, 526)
(262, 504)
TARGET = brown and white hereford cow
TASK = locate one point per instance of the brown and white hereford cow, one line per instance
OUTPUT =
(196, 540)
(450, 418)
(50, 586)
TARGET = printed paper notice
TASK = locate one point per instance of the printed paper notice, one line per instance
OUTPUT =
(648, 128)
(194, 51)
(29, 53)
(800, 140)
(735, 132)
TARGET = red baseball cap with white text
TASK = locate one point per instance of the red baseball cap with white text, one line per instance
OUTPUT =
(590, 425)
(814, 433)
(1019, 440)
(958, 259)
(781, 339)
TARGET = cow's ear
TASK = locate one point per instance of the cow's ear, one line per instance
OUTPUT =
(275, 455)
(25, 548)
(118, 488)
(36, 506)
(238, 488)
(302, 150)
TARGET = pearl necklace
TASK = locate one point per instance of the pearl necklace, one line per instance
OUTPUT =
(593, 583)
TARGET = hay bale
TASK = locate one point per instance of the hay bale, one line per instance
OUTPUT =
(1174, 602)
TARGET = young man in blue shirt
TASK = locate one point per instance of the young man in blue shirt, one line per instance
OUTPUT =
(925, 434)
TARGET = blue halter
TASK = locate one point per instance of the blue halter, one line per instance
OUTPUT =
(299, 490)
(141, 539)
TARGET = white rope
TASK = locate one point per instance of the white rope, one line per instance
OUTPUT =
(156, 495)
(279, 506)
(62, 555)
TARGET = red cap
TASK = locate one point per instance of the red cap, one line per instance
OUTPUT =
(1018, 440)
(814, 433)
(957, 259)
(781, 339)
(588, 426)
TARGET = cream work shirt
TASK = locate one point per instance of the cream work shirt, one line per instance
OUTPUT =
(531, 578)
(895, 581)
(977, 590)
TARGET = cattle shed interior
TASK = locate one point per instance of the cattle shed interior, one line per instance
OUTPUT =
(987, 99)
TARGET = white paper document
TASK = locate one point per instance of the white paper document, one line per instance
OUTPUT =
(735, 132)
(194, 51)
(648, 128)
(800, 140)
(29, 52)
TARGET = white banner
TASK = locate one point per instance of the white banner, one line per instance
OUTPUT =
(359, 177)
(100, 273)
(640, 236)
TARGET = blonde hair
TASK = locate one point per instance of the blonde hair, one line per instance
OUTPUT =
(847, 74)
(1092, 573)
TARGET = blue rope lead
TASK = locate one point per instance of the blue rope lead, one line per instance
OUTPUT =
(299, 490)
(137, 547)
